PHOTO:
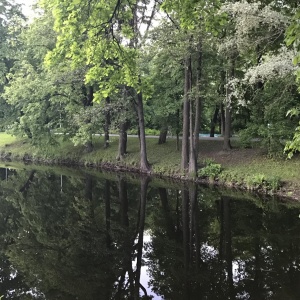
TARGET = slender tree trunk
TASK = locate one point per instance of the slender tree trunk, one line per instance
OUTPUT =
(186, 114)
(177, 130)
(163, 135)
(222, 120)
(144, 164)
(192, 156)
(227, 144)
(107, 122)
(214, 121)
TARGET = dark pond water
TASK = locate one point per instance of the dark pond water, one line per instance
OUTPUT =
(83, 236)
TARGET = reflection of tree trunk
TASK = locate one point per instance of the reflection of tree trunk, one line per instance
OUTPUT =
(163, 134)
(194, 229)
(88, 193)
(141, 224)
(258, 277)
(107, 122)
(186, 242)
(166, 210)
(107, 211)
(123, 201)
(228, 242)
(27, 184)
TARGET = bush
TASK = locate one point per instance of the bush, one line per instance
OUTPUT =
(260, 181)
(210, 170)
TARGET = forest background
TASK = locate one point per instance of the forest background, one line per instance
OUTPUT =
(80, 68)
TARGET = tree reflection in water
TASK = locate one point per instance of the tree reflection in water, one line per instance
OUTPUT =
(86, 240)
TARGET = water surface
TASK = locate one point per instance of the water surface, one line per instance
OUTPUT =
(76, 235)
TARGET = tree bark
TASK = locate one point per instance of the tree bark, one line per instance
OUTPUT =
(198, 99)
(227, 133)
(222, 118)
(186, 114)
(122, 141)
(107, 122)
(227, 144)
(144, 164)
(214, 121)
(163, 135)
(89, 102)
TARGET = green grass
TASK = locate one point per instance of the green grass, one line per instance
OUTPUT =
(164, 159)
(6, 139)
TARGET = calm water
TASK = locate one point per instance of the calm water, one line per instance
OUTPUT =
(81, 236)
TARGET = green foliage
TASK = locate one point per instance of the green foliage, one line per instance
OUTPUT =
(293, 145)
(293, 38)
(261, 182)
(210, 169)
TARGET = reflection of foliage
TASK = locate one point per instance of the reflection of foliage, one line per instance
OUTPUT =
(69, 237)
(257, 242)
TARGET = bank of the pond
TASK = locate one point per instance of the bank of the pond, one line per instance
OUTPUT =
(240, 168)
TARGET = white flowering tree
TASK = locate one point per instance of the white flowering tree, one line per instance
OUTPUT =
(264, 86)
(293, 40)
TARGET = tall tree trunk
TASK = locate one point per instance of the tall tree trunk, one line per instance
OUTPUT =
(198, 99)
(214, 121)
(122, 141)
(89, 102)
(222, 120)
(177, 130)
(186, 114)
(107, 122)
(227, 144)
(227, 133)
(163, 135)
(144, 164)
(192, 156)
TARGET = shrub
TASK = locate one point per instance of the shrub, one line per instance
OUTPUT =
(260, 181)
(210, 170)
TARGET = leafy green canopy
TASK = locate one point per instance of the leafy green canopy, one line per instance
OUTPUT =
(100, 36)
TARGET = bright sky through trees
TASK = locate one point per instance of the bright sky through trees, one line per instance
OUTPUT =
(26, 6)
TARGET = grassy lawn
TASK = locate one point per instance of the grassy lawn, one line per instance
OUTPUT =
(238, 164)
